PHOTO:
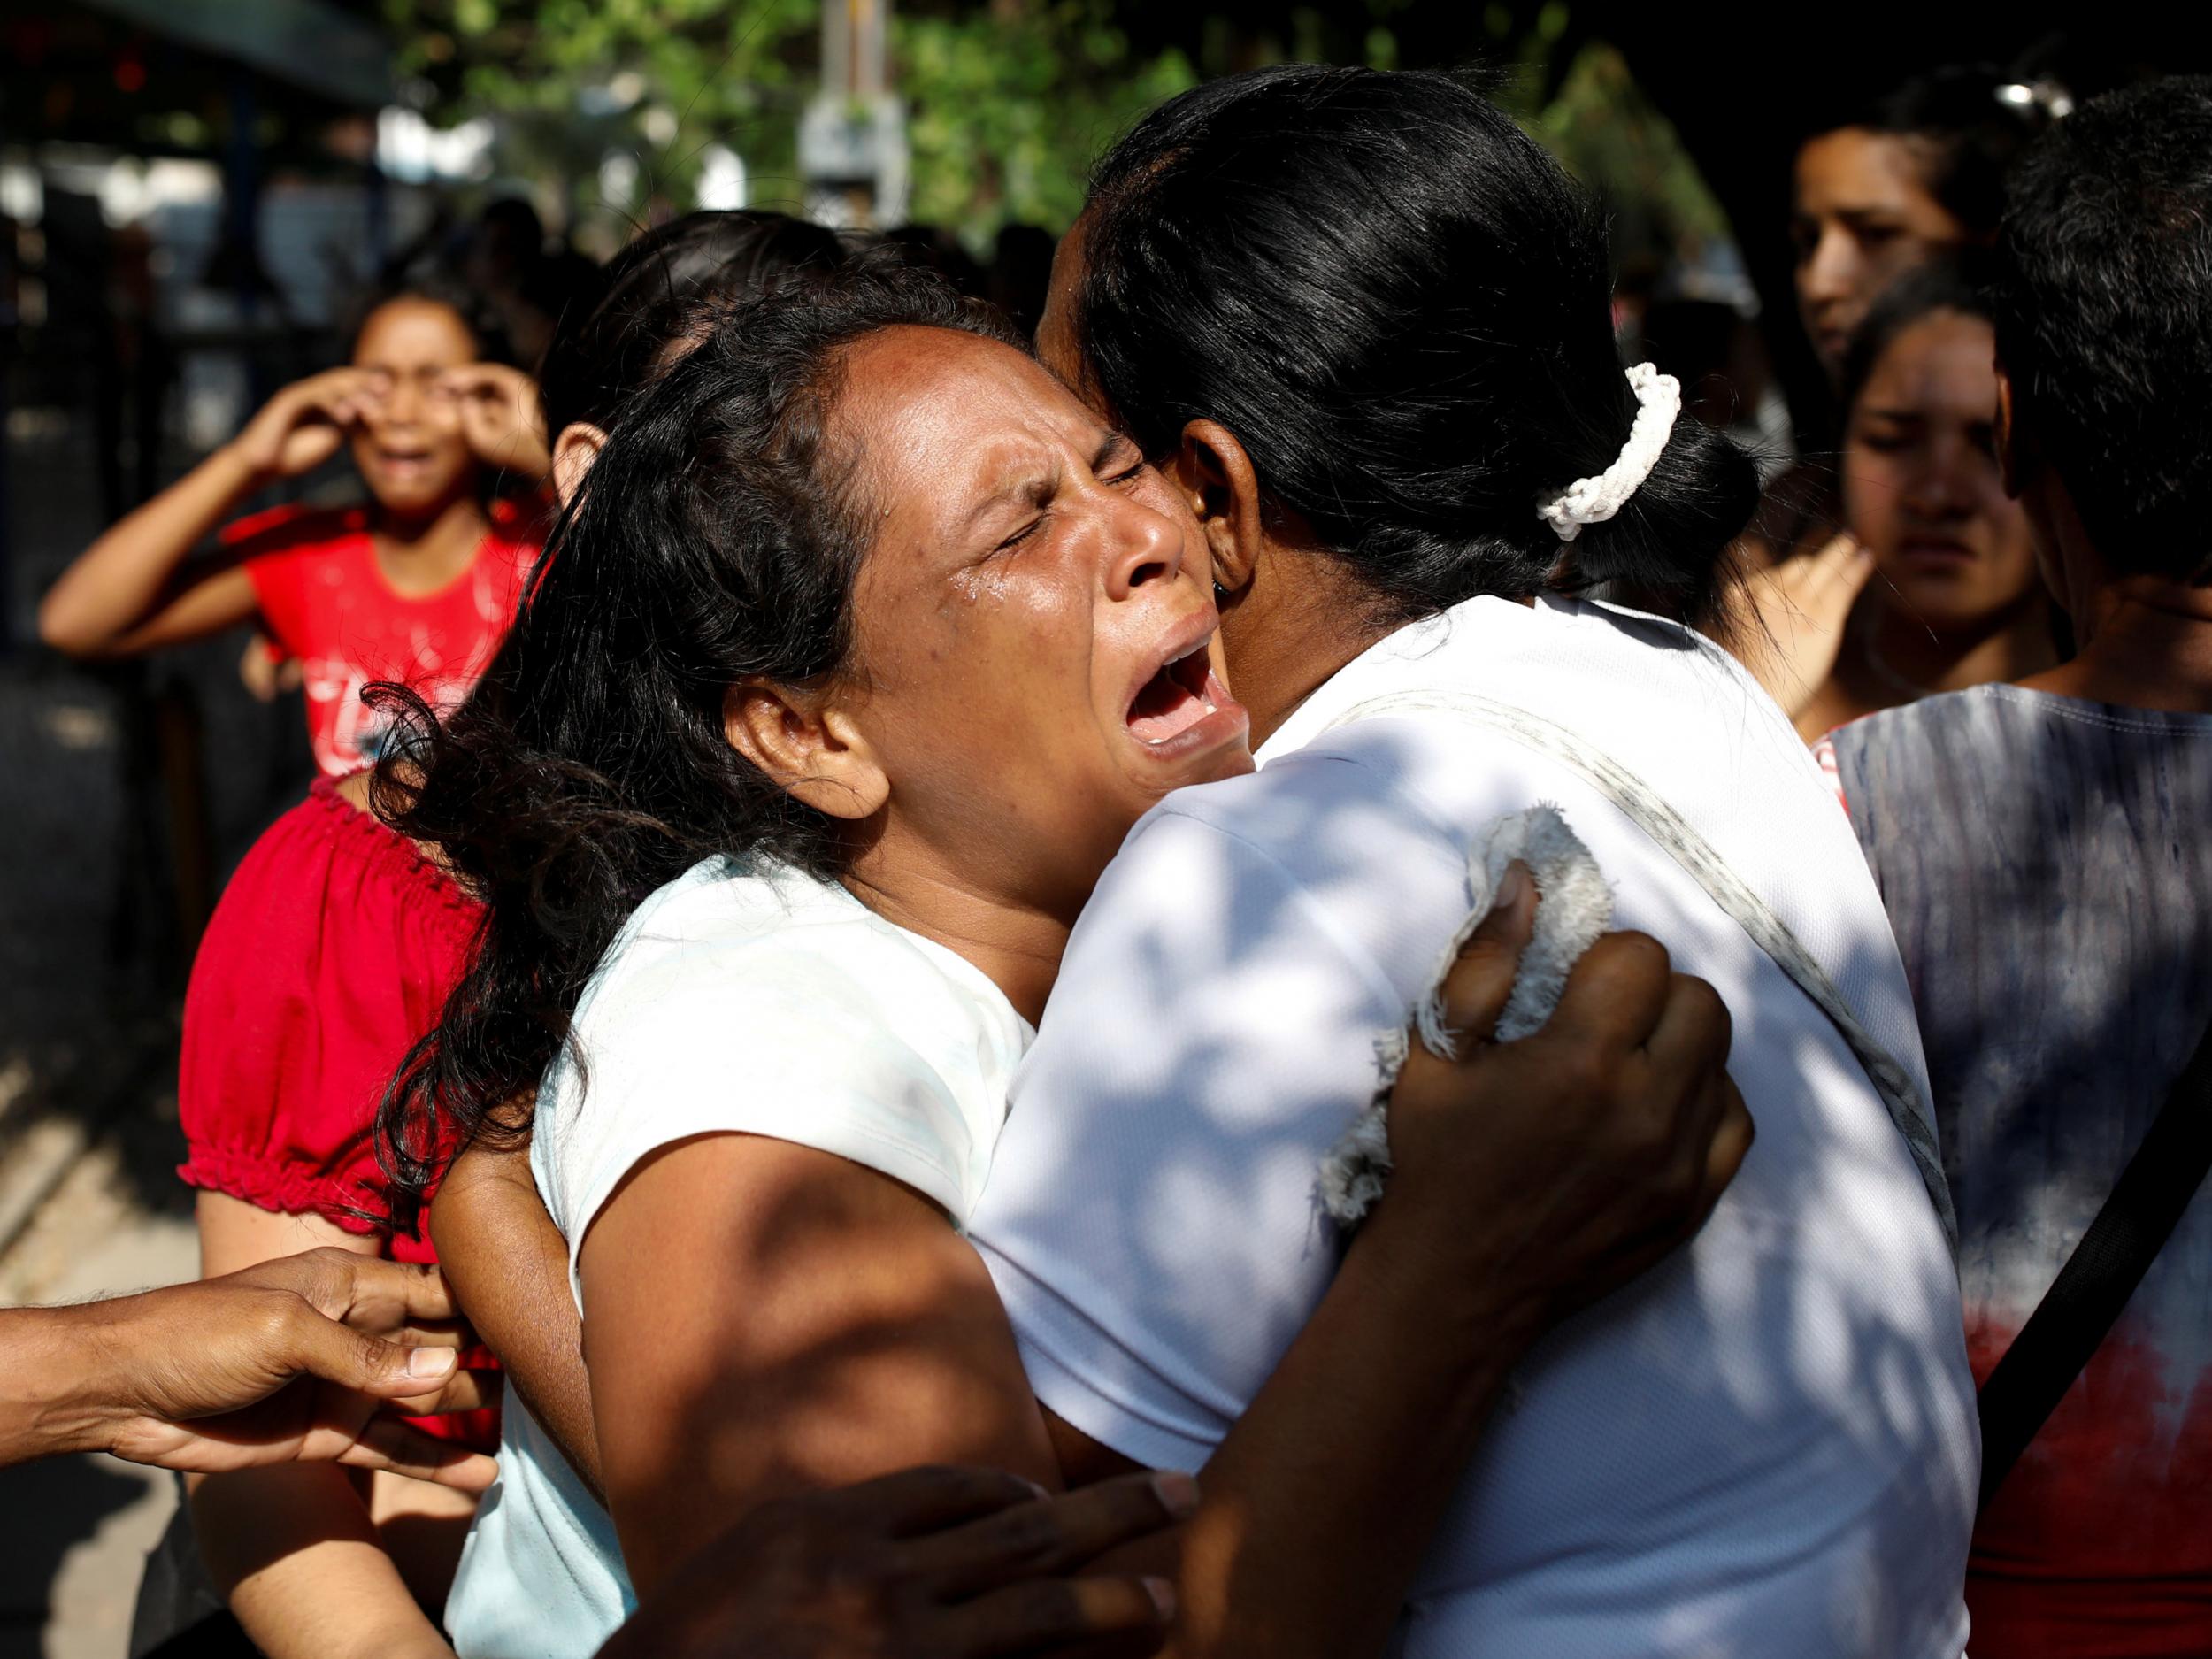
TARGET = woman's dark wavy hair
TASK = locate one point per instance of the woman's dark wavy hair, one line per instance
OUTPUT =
(1401, 307)
(716, 538)
(652, 296)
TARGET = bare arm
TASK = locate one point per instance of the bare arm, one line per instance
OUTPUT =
(826, 1325)
(293, 1359)
(132, 591)
(508, 1265)
(296, 1548)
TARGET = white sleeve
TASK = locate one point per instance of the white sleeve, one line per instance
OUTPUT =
(765, 1040)
(1150, 1219)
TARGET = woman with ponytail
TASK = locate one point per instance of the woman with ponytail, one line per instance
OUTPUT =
(1360, 322)
(860, 650)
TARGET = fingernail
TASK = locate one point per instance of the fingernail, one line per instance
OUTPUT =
(1511, 885)
(1177, 1492)
(1163, 1594)
(431, 1362)
(1037, 1490)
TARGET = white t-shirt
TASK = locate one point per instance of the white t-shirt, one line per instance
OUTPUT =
(767, 1004)
(1766, 1448)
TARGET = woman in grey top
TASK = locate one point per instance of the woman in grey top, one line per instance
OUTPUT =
(2042, 851)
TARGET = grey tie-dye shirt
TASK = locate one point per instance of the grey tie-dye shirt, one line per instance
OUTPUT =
(2046, 864)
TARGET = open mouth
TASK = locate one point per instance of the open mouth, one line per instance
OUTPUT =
(1180, 694)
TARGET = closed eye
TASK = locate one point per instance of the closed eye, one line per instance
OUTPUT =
(1117, 460)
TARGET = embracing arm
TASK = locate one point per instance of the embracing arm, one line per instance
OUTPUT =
(1606, 1139)
(828, 1326)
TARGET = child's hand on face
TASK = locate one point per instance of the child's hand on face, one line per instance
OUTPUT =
(500, 417)
(301, 427)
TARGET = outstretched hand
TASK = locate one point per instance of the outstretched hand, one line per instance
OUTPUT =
(1560, 1166)
(306, 1357)
(932, 1564)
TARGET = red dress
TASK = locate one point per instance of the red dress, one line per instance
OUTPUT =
(331, 951)
(324, 599)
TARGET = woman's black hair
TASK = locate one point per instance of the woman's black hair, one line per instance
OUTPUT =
(2104, 319)
(1401, 306)
(1951, 284)
(654, 293)
(716, 538)
(1972, 121)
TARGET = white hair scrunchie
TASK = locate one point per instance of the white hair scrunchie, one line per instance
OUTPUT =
(1595, 500)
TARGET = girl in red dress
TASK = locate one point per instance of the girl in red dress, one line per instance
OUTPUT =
(418, 584)
(331, 951)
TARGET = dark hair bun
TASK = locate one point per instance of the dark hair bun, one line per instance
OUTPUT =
(1401, 307)
(1700, 494)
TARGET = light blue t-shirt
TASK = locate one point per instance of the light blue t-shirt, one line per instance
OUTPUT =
(745, 1000)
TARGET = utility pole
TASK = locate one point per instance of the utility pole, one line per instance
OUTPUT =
(852, 139)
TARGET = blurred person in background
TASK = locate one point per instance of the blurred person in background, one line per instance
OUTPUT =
(1916, 174)
(417, 584)
(1952, 597)
(2042, 850)
(931, 248)
(1021, 271)
(527, 281)
(332, 950)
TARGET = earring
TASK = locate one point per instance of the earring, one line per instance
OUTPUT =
(1220, 593)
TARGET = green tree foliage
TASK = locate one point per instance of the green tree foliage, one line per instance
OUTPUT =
(656, 81)
(1009, 101)
(1009, 104)
(1606, 131)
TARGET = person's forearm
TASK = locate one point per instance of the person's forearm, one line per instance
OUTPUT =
(1316, 1508)
(304, 1570)
(51, 1399)
(123, 578)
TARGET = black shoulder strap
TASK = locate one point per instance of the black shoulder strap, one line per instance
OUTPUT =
(2086, 1299)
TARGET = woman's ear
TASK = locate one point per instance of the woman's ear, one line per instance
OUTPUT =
(808, 746)
(1216, 477)
(574, 452)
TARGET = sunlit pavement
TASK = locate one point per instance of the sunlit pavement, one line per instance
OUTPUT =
(89, 1202)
